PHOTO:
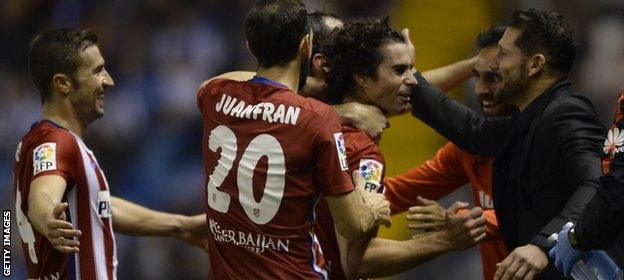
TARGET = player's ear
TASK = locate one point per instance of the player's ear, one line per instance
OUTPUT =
(360, 79)
(536, 63)
(62, 83)
(318, 64)
(306, 45)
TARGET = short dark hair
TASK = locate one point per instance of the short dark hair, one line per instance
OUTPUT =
(274, 29)
(56, 51)
(490, 37)
(546, 32)
(355, 50)
(320, 29)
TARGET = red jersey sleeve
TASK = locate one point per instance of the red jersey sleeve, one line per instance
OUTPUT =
(55, 153)
(434, 179)
(206, 88)
(364, 155)
(331, 157)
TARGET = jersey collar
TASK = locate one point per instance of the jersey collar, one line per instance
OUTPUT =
(264, 81)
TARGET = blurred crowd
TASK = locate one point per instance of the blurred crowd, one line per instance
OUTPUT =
(158, 51)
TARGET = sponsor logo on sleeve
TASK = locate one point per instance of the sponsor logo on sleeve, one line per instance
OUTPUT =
(613, 143)
(103, 205)
(44, 157)
(342, 151)
(371, 171)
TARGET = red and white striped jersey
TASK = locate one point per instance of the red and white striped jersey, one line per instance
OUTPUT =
(49, 149)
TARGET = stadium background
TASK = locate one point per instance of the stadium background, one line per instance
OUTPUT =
(158, 51)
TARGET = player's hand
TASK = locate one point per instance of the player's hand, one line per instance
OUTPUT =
(428, 216)
(522, 263)
(563, 254)
(463, 231)
(410, 46)
(61, 233)
(377, 203)
(194, 230)
(365, 117)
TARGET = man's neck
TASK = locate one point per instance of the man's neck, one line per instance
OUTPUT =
(65, 117)
(314, 87)
(287, 74)
(534, 90)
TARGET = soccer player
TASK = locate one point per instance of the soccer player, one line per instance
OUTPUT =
(383, 80)
(452, 167)
(270, 153)
(63, 204)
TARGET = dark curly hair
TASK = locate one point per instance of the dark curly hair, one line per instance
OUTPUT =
(546, 32)
(56, 51)
(355, 50)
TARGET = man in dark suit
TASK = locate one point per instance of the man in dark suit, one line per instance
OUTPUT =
(547, 156)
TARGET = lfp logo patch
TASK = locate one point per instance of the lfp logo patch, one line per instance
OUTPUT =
(44, 157)
(371, 171)
(342, 150)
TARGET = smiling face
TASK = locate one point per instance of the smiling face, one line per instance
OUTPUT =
(510, 67)
(390, 89)
(90, 81)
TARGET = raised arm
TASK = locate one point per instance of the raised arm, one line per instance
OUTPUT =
(462, 126)
(447, 77)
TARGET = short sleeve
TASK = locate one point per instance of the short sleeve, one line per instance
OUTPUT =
(364, 155)
(205, 89)
(331, 157)
(56, 153)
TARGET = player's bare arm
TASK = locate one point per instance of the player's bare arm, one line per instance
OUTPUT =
(133, 219)
(379, 257)
(426, 216)
(46, 213)
(359, 211)
(449, 76)
(446, 77)
(365, 117)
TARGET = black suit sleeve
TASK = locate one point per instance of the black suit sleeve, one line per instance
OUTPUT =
(462, 126)
(579, 135)
(603, 219)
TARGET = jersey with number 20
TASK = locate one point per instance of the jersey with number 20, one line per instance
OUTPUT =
(269, 154)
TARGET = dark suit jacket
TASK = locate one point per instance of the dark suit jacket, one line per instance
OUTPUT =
(603, 219)
(547, 158)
